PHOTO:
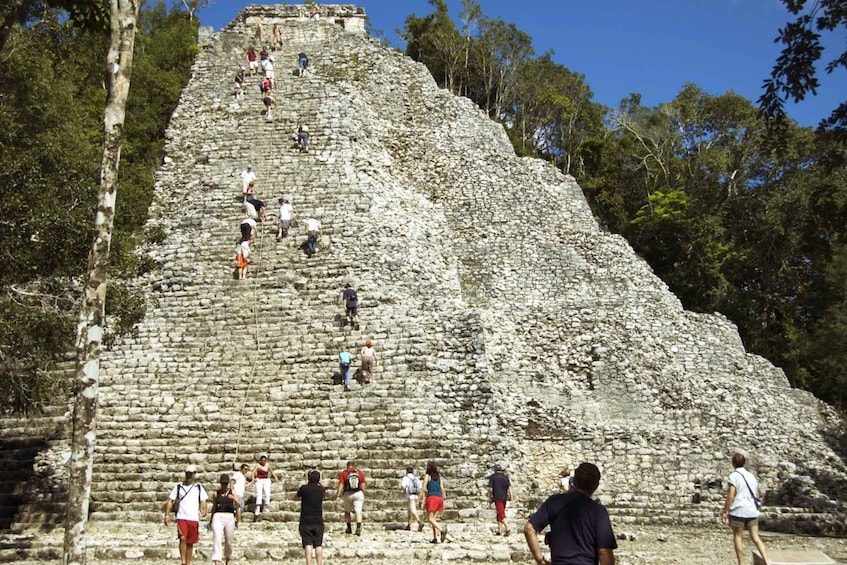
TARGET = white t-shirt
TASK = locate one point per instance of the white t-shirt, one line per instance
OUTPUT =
(189, 505)
(313, 225)
(250, 221)
(240, 485)
(407, 483)
(743, 505)
(285, 211)
(244, 249)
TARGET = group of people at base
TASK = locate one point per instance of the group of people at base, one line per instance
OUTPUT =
(580, 529)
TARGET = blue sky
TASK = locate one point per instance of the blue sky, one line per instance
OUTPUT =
(652, 47)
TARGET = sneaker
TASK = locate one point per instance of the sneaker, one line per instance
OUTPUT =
(349, 529)
(421, 526)
(346, 389)
(408, 527)
(358, 529)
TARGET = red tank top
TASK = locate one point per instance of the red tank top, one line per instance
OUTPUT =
(261, 473)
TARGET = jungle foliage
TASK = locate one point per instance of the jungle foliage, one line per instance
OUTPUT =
(52, 96)
(733, 219)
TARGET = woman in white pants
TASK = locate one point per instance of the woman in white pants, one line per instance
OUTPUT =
(262, 475)
(223, 521)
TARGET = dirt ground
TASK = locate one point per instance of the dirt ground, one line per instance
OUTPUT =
(709, 546)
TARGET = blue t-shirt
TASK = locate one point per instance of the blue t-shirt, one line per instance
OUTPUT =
(579, 527)
(344, 357)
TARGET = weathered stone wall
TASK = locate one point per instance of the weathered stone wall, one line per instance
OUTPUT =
(590, 356)
(350, 17)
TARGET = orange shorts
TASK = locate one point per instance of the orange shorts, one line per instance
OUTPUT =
(240, 261)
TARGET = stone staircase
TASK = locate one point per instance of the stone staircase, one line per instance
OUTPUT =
(224, 370)
(509, 329)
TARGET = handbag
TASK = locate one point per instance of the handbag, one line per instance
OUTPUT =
(756, 500)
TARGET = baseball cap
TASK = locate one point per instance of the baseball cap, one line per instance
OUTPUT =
(191, 469)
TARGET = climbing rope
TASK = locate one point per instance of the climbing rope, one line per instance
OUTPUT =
(255, 358)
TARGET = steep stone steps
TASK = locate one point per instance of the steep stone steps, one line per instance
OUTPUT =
(268, 541)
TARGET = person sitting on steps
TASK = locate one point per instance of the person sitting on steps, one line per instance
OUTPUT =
(257, 204)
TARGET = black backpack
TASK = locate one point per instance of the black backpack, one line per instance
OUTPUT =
(352, 482)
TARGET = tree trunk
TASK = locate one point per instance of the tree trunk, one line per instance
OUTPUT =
(124, 14)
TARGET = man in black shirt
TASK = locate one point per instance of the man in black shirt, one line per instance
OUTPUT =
(311, 497)
(580, 529)
(500, 492)
(351, 304)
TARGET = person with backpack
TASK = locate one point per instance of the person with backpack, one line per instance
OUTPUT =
(350, 301)
(351, 494)
(344, 361)
(411, 487)
(188, 500)
(223, 520)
